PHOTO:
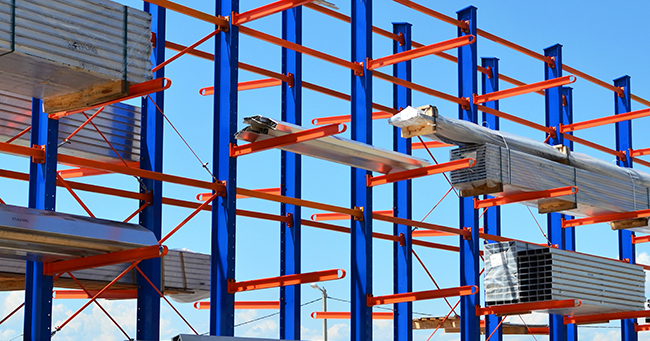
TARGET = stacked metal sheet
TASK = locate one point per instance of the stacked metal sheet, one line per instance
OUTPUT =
(53, 48)
(517, 272)
(120, 124)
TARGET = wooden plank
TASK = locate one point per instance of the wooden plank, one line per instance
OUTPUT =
(555, 205)
(86, 98)
(629, 223)
(481, 190)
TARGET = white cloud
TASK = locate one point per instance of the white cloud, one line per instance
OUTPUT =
(339, 331)
(611, 335)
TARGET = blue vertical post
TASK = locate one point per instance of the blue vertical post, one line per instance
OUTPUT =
(555, 116)
(222, 264)
(402, 198)
(626, 250)
(151, 145)
(42, 195)
(492, 218)
(291, 177)
(469, 248)
(361, 196)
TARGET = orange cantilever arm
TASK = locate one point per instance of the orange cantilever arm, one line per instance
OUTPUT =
(419, 172)
(284, 140)
(242, 305)
(274, 190)
(422, 295)
(344, 315)
(639, 240)
(347, 118)
(341, 216)
(524, 89)
(606, 317)
(248, 85)
(123, 294)
(147, 252)
(281, 281)
(517, 308)
(526, 196)
(641, 327)
(420, 52)
(135, 90)
(640, 152)
(605, 120)
(430, 144)
(266, 10)
(431, 233)
(606, 218)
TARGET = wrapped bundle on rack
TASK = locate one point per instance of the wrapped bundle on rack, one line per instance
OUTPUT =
(73, 53)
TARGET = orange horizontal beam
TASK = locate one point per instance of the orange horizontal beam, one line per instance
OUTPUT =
(339, 216)
(274, 190)
(641, 327)
(605, 120)
(410, 4)
(519, 48)
(172, 6)
(122, 294)
(343, 315)
(203, 305)
(430, 233)
(357, 68)
(640, 152)
(281, 281)
(641, 162)
(537, 330)
(285, 140)
(9, 148)
(420, 172)
(421, 295)
(606, 317)
(347, 118)
(135, 90)
(266, 216)
(516, 308)
(147, 252)
(641, 239)
(81, 171)
(248, 85)
(420, 52)
(340, 95)
(415, 223)
(420, 88)
(620, 155)
(524, 89)
(516, 119)
(430, 144)
(606, 218)
(526, 196)
(266, 10)
(300, 202)
(619, 91)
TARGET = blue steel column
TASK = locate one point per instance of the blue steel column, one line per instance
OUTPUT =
(469, 249)
(402, 198)
(291, 177)
(222, 265)
(42, 195)
(554, 116)
(361, 196)
(626, 250)
(491, 218)
(151, 145)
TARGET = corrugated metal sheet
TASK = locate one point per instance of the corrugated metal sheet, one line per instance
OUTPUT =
(120, 124)
(52, 48)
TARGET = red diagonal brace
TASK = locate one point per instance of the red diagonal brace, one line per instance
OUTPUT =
(285, 140)
(147, 252)
(419, 172)
(606, 317)
(266, 10)
(606, 218)
(524, 89)
(420, 52)
(136, 90)
(422, 295)
(605, 120)
(522, 308)
(526, 196)
(274, 282)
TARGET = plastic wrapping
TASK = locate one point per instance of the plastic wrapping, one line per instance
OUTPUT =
(52, 48)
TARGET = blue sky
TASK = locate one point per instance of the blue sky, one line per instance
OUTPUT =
(601, 38)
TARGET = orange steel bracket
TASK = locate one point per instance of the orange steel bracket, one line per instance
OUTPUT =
(524, 89)
(275, 142)
(217, 20)
(420, 52)
(639, 240)
(522, 308)
(606, 218)
(281, 281)
(641, 327)
(147, 252)
(606, 317)
(343, 315)
(419, 172)
(340, 216)
(421, 295)
(136, 90)
(266, 10)
(347, 118)
(604, 120)
(122, 294)
(639, 152)
(526, 196)
(203, 305)
(430, 144)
